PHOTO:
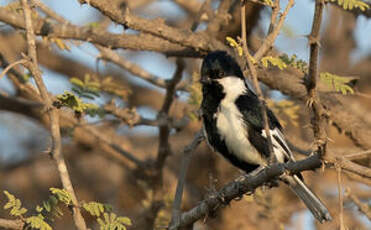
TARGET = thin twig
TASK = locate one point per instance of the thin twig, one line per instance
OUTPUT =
(51, 13)
(341, 198)
(348, 165)
(221, 15)
(22, 61)
(109, 55)
(359, 155)
(56, 148)
(254, 78)
(275, 11)
(164, 145)
(269, 40)
(363, 207)
(197, 18)
(187, 155)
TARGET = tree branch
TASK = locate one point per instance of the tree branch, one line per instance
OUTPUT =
(187, 155)
(319, 121)
(155, 27)
(11, 224)
(254, 78)
(269, 40)
(363, 207)
(164, 145)
(100, 37)
(248, 184)
(56, 149)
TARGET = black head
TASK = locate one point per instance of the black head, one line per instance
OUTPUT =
(217, 65)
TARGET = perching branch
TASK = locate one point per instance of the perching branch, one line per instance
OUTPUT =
(56, 148)
(248, 184)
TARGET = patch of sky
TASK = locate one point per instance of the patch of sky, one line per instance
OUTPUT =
(164, 9)
(362, 35)
(303, 220)
(6, 85)
(73, 11)
(20, 131)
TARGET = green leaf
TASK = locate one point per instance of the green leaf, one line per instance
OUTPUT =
(233, 43)
(112, 222)
(339, 83)
(70, 100)
(62, 195)
(14, 204)
(94, 208)
(350, 4)
(124, 220)
(268, 2)
(94, 24)
(273, 61)
(39, 208)
(77, 82)
(294, 62)
(37, 222)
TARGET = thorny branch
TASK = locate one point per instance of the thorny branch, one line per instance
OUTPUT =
(56, 149)
(238, 188)
(319, 121)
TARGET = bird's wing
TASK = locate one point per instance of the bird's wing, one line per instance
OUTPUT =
(248, 105)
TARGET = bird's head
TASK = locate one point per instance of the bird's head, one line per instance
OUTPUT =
(217, 65)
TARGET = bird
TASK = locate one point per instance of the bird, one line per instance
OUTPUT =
(233, 126)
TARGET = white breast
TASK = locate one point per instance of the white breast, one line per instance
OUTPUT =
(231, 125)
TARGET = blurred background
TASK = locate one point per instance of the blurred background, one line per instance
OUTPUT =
(101, 173)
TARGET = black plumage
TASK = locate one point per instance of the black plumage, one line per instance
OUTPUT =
(233, 125)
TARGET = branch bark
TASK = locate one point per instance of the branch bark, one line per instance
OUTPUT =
(56, 148)
(248, 184)
(254, 78)
(187, 155)
(11, 224)
(319, 121)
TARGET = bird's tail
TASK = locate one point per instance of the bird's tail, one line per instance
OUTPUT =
(313, 203)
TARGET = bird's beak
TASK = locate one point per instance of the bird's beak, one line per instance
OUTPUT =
(205, 79)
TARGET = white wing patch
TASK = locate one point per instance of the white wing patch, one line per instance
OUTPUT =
(231, 125)
(279, 150)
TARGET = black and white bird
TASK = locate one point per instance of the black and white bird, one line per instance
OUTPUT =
(233, 125)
